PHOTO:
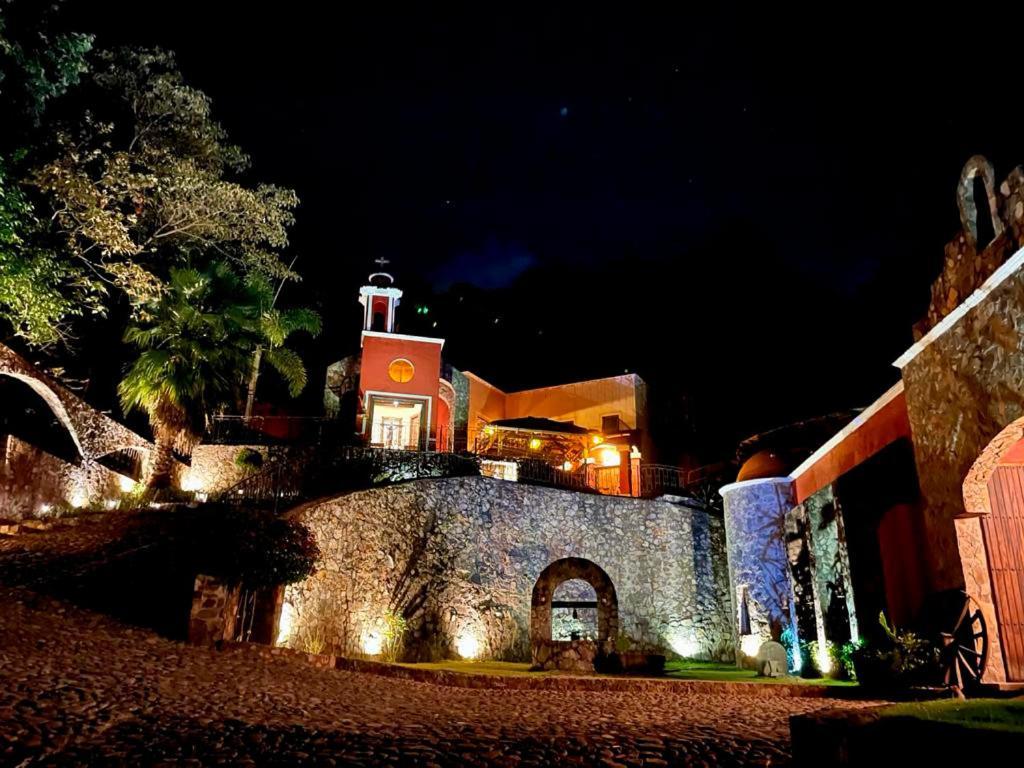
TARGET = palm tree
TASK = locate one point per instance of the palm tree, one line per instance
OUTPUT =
(196, 342)
(276, 325)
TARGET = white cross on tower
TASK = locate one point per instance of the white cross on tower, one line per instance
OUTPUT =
(382, 261)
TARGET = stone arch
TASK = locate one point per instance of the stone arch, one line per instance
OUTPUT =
(975, 488)
(53, 402)
(563, 570)
(977, 166)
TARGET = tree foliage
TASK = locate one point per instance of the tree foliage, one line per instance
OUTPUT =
(256, 549)
(148, 179)
(195, 341)
(39, 289)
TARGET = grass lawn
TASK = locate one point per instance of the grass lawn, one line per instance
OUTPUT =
(995, 714)
(674, 670)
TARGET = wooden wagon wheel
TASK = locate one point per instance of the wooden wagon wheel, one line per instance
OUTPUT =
(964, 650)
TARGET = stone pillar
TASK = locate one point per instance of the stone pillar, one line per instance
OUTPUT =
(759, 573)
(214, 608)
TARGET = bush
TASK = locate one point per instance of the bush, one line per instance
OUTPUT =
(249, 460)
(898, 659)
(257, 549)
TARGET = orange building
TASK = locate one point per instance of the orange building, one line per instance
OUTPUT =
(405, 398)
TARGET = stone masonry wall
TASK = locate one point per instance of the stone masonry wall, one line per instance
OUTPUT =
(32, 480)
(962, 390)
(459, 557)
(213, 468)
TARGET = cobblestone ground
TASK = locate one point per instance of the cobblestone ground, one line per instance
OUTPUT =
(79, 688)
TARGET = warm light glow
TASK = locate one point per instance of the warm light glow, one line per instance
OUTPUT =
(750, 645)
(79, 498)
(824, 660)
(488, 431)
(110, 503)
(608, 456)
(191, 482)
(373, 642)
(44, 509)
(598, 439)
(126, 483)
(567, 467)
(467, 646)
(284, 628)
(535, 444)
(683, 644)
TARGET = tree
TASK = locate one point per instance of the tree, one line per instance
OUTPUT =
(146, 179)
(39, 290)
(196, 339)
(276, 326)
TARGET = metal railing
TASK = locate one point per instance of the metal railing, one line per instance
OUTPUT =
(313, 473)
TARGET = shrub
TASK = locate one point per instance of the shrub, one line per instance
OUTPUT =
(393, 636)
(899, 658)
(257, 549)
(249, 460)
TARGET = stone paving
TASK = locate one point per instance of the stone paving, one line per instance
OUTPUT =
(80, 688)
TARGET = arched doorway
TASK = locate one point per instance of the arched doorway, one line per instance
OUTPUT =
(991, 540)
(578, 653)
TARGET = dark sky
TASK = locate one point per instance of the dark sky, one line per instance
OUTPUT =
(748, 212)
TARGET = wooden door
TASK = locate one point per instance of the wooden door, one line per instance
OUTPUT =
(1004, 544)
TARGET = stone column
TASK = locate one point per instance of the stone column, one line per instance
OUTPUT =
(214, 607)
(759, 573)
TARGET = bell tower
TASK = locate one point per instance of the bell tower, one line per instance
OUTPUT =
(380, 300)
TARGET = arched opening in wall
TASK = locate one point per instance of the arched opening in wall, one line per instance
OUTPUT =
(574, 611)
(29, 418)
(377, 324)
(606, 602)
(994, 494)
(984, 226)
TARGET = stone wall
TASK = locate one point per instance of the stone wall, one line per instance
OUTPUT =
(761, 588)
(94, 433)
(33, 481)
(213, 469)
(963, 386)
(459, 558)
(968, 262)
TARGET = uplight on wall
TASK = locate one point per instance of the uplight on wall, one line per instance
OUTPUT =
(373, 643)
(683, 644)
(126, 483)
(750, 645)
(284, 628)
(467, 645)
(79, 498)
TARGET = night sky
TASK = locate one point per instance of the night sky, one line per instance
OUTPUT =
(748, 214)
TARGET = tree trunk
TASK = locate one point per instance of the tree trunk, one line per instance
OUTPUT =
(250, 400)
(163, 459)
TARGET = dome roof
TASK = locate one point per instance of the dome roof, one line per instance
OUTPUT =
(763, 464)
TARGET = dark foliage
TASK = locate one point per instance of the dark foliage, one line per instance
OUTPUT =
(258, 549)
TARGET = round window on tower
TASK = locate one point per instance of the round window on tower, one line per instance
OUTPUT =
(401, 370)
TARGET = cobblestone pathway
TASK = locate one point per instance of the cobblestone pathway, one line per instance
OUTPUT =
(79, 688)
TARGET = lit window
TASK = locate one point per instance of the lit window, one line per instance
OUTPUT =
(401, 370)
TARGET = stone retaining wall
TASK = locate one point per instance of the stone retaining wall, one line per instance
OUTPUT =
(458, 558)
